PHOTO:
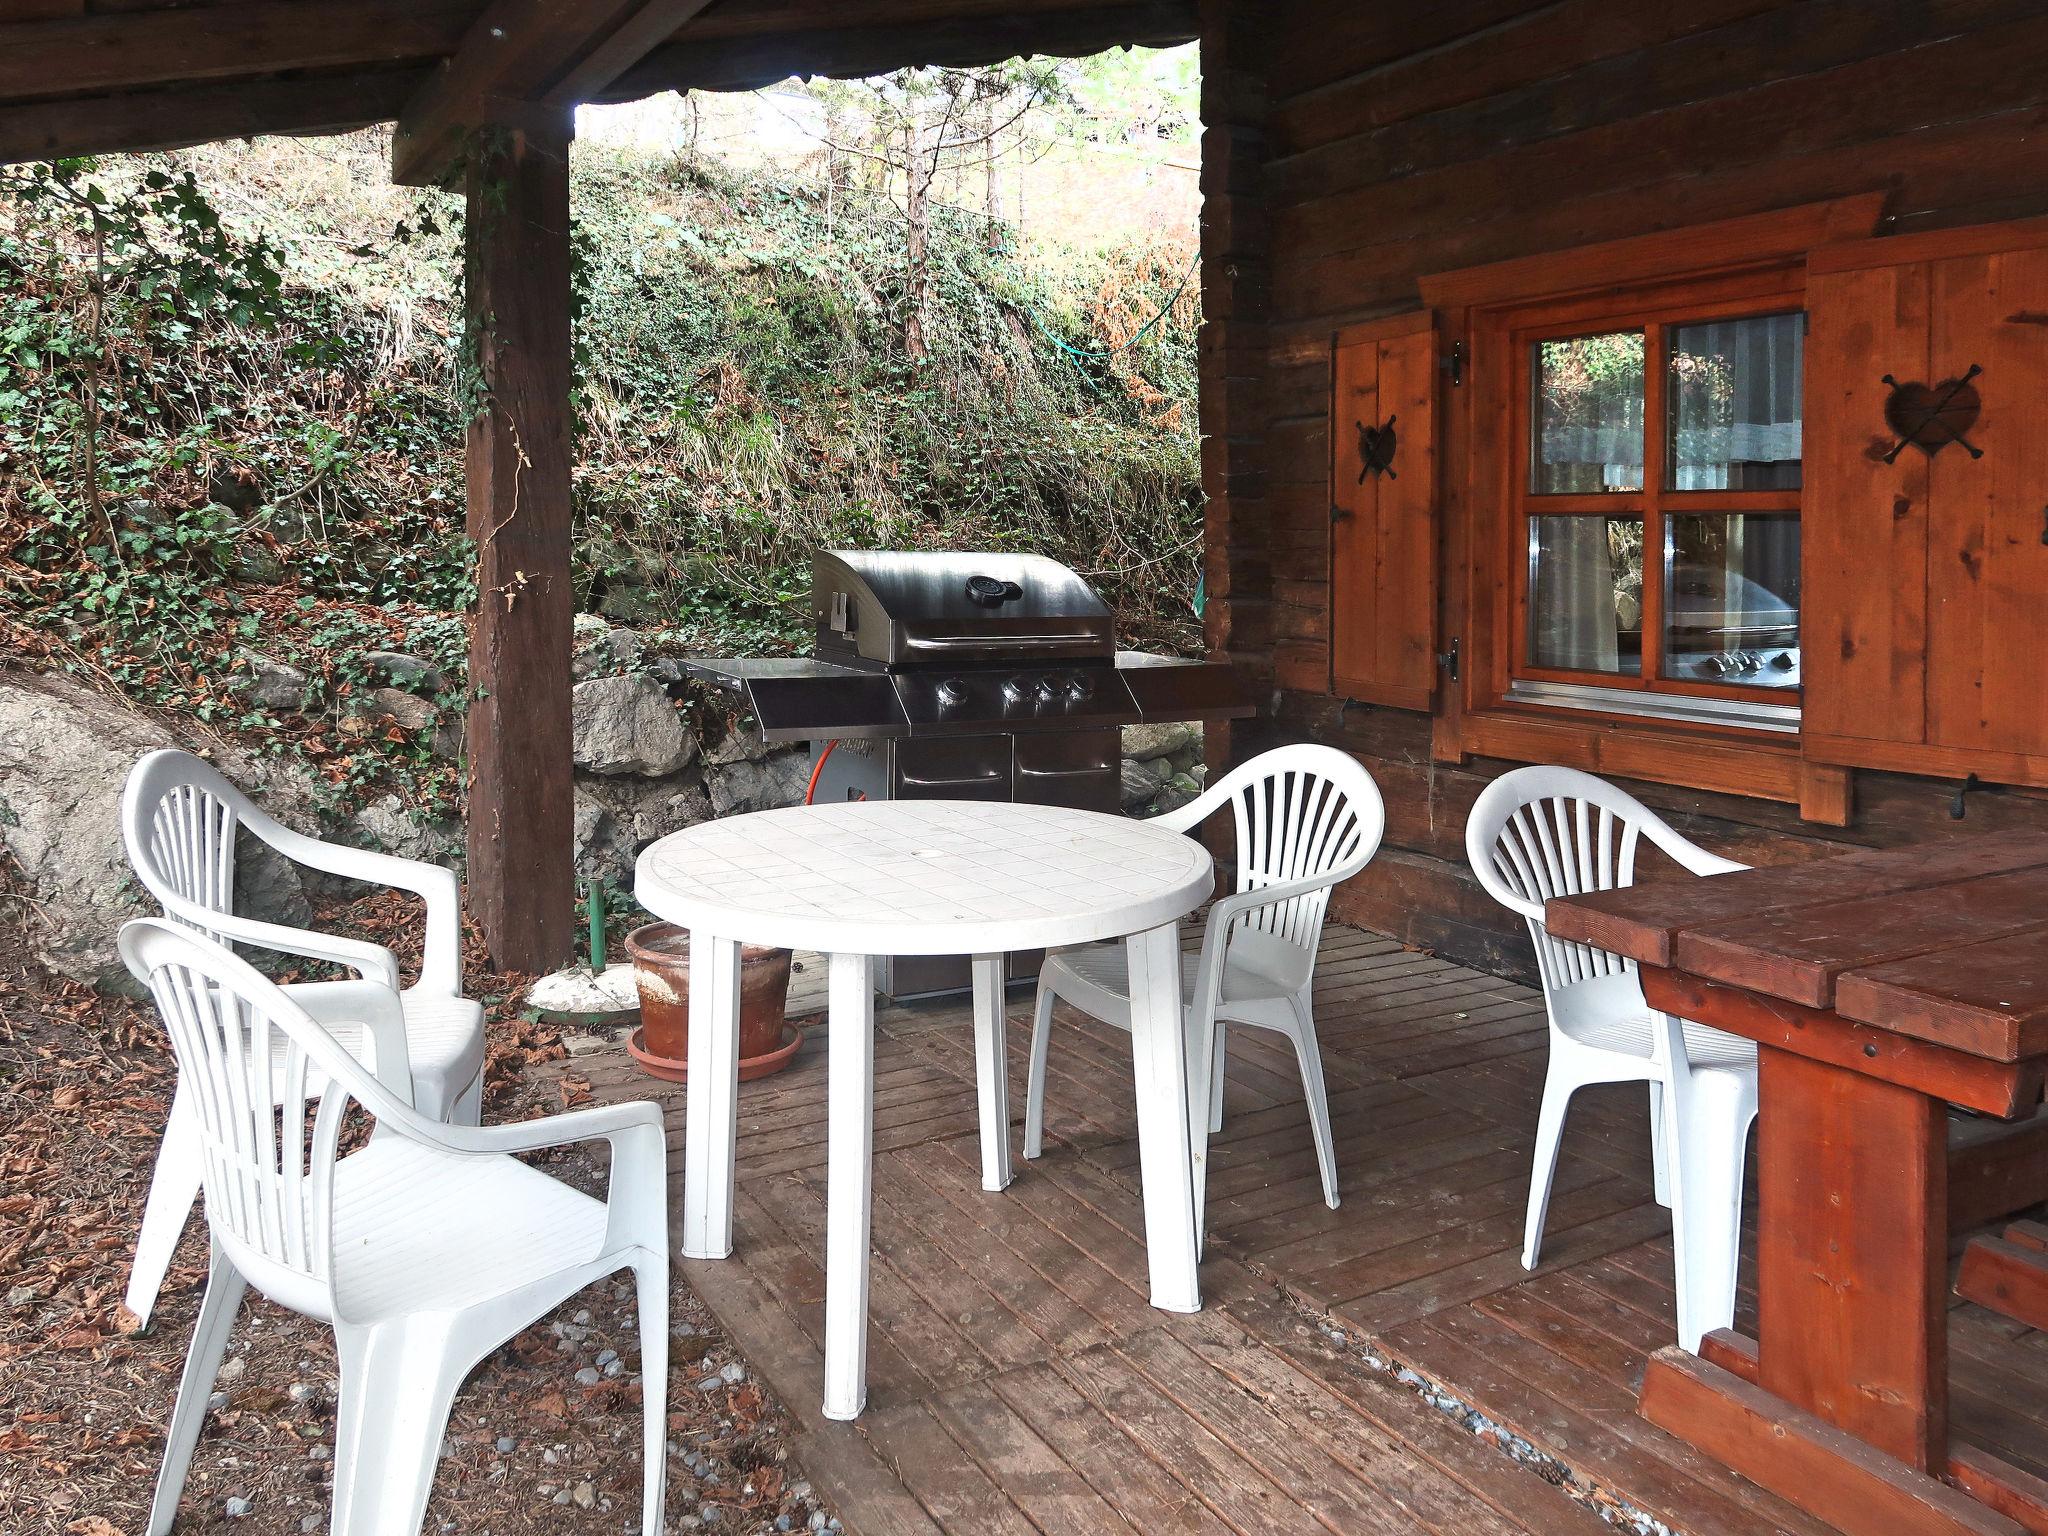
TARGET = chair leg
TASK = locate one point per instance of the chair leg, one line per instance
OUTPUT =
(1660, 1144)
(398, 1382)
(1310, 1054)
(1034, 1086)
(469, 1104)
(650, 1279)
(224, 1289)
(173, 1187)
(1216, 1063)
(1557, 1098)
(1711, 1136)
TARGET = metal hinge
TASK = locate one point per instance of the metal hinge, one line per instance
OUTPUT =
(1454, 364)
(1337, 513)
(1449, 659)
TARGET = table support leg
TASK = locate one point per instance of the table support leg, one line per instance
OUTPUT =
(1160, 1058)
(712, 1100)
(992, 1070)
(850, 1109)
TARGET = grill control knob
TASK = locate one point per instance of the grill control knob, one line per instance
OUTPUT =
(952, 691)
(1080, 688)
(1014, 689)
(1045, 691)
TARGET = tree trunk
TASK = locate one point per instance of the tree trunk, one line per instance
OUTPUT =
(920, 169)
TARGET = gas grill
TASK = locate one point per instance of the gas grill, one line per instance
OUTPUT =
(966, 677)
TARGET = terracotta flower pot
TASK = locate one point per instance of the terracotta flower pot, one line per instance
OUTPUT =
(661, 964)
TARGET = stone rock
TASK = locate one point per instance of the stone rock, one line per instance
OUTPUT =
(612, 650)
(770, 784)
(1145, 742)
(1141, 781)
(628, 725)
(386, 825)
(403, 671)
(740, 744)
(408, 711)
(65, 753)
(273, 684)
(645, 809)
(234, 487)
(451, 737)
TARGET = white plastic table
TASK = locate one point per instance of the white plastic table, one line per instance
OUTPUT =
(933, 877)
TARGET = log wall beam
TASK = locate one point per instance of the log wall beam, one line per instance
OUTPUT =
(555, 53)
(521, 792)
(172, 119)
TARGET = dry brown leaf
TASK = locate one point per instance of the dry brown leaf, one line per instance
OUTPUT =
(70, 1096)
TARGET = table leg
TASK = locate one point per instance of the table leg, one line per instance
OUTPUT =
(992, 1070)
(1852, 1253)
(1842, 1408)
(850, 1109)
(1160, 1059)
(712, 1097)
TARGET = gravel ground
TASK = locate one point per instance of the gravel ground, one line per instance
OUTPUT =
(545, 1436)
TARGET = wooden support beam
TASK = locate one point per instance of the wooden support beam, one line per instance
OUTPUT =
(2008, 1276)
(521, 795)
(739, 61)
(1810, 1463)
(105, 54)
(556, 53)
(100, 125)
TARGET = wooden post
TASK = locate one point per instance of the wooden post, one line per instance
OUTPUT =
(516, 369)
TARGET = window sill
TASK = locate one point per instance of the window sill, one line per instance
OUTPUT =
(1760, 765)
(1662, 709)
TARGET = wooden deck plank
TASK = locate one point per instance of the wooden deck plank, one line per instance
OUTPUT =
(1127, 1480)
(1232, 1487)
(1020, 1381)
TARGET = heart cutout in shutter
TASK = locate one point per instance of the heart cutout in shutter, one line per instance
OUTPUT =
(1931, 416)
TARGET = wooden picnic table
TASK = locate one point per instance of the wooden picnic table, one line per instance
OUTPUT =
(1881, 988)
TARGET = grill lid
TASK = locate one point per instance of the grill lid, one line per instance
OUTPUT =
(918, 609)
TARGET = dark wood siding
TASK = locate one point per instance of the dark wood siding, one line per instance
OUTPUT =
(1367, 146)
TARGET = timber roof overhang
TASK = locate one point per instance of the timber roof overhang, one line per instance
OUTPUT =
(96, 76)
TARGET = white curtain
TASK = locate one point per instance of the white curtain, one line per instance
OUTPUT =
(1573, 618)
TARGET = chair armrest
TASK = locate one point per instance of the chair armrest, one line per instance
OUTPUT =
(372, 961)
(376, 1007)
(441, 961)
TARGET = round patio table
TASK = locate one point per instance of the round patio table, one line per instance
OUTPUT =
(931, 877)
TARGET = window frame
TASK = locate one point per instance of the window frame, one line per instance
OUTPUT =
(1748, 256)
(1655, 311)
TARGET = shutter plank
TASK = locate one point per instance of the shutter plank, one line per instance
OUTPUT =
(1987, 567)
(1383, 541)
(1863, 521)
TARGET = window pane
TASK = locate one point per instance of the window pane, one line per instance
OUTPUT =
(1587, 414)
(1734, 404)
(1586, 593)
(1732, 609)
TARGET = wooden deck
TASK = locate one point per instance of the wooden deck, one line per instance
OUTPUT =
(1019, 1382)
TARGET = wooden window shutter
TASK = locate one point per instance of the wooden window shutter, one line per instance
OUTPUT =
(1383, 511)
(1926, 572)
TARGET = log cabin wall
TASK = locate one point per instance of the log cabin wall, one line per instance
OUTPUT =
(1353, 150)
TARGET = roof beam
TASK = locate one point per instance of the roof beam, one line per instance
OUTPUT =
(520, 54)
(106, 54)
(100, 125)
(745, 62)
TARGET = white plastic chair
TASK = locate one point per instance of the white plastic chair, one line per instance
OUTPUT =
(1546, 831)
(179, 818)
(425, 1250)
(1307, 817)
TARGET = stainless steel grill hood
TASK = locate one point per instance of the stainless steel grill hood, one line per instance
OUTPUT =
(937, 644)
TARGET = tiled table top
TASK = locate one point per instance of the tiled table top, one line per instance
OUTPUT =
(923, 877)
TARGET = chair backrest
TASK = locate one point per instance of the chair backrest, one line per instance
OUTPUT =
(179, 817)
(1301, 813)
(259, 1077)
(1547, 831)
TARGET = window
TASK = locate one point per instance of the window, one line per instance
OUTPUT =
(1655, 527)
